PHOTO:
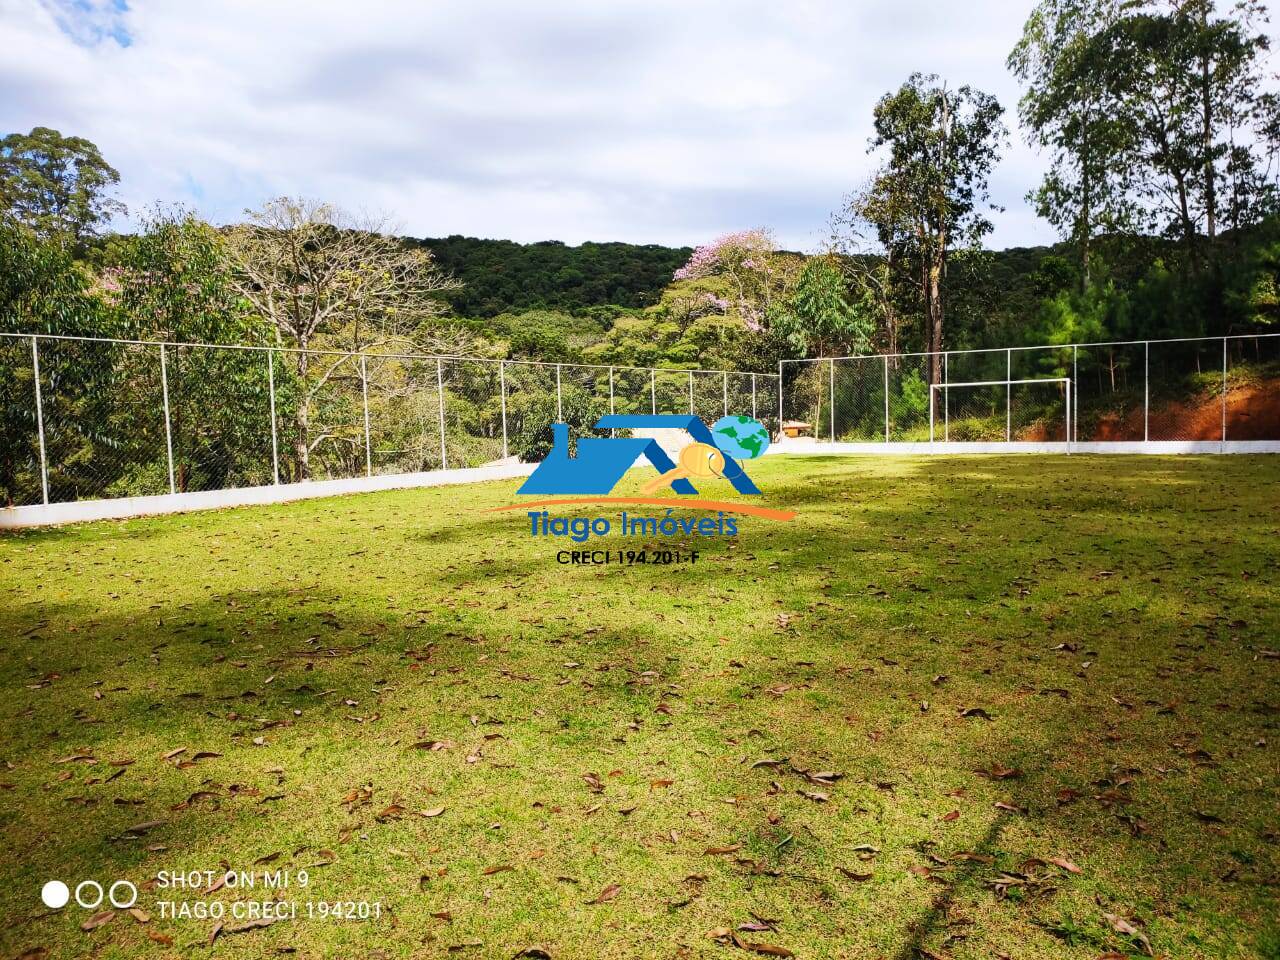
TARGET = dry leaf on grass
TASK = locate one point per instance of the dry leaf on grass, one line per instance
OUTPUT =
(99, 919)
(1064, 863)
(607, 894)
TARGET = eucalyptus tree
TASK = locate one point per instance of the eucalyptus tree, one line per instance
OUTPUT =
(1072, 110)
(1189, 77)
(931, 194)
(59, 187)
(1154, 115)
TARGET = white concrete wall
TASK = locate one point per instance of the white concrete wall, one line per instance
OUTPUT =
(80, 510)
(807, 445)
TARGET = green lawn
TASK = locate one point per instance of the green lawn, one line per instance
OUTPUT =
(1043, 690)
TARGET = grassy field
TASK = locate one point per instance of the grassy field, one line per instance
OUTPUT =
(965, 707)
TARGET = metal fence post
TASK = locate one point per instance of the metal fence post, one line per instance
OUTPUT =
(946, 398)
(753, 397)
(831, 394)
(612, 431)
(653, 392)
(726, 393)
(44, 466)
(932, 393)
(1069, 421)
(364, 387)
(1146, 390)
(168, 433)
(1223, 448)
(559, 398)
(690, 393)
(1008, 396)
(502, 389)
(271, 395)
(444, 454)
(886, 397)
(780, 420)
(1075, 393)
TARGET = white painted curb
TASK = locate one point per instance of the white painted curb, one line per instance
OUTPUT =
(811, 447)
(82, 510)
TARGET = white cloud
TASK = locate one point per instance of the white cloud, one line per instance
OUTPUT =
(650, 121)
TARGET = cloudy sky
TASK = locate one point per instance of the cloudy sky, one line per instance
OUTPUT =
(653, 121)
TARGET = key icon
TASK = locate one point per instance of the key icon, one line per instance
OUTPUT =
(698, 461)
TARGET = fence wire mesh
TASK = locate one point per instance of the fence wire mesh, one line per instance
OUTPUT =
(104, 419)
(1207, 389)
(107, 418)
(673, 391)
(1253, 371)
(20, 471)
(121, 418)
(710, 395)
(220, 415)
(404, 415)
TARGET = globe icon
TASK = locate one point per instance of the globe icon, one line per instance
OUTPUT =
(742, 438)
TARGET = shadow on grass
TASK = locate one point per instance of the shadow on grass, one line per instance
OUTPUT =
(999, 598)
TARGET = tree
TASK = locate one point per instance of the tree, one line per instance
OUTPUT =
(41, 291)
(530, 416)
(928, 196)
(1186, 81)
(1069, 109)
(57, 186)
(819, 320)
(872, 234)
(173, 282)
(310, 270)
(758, 274)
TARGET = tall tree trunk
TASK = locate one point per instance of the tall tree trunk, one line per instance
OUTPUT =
(1206, 98)
(938, 246)
(1085, 226)
(1188, 226)
(891, 331)
(935, 316)
(926, 294)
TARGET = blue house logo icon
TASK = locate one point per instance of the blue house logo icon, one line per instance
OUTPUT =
(602, 461)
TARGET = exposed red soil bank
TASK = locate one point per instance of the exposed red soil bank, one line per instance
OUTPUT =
(1253, 413)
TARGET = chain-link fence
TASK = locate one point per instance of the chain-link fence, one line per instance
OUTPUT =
(87, 419)
(1208, 389)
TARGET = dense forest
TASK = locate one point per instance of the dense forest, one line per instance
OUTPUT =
(501, 276)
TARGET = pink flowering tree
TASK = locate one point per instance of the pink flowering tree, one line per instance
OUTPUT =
(749, 261)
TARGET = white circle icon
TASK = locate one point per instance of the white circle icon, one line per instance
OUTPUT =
(123, 904)
(92, 885)
(55, 894)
